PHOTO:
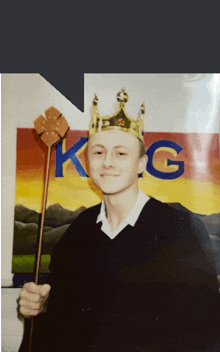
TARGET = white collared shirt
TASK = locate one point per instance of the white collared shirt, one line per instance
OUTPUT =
(130, 219)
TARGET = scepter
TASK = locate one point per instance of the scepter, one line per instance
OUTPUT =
(50, 130)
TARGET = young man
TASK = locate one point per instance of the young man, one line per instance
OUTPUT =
(131, 274)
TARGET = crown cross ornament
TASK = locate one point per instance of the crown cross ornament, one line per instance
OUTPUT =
(119, 120)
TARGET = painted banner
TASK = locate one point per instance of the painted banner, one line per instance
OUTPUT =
(182, 169)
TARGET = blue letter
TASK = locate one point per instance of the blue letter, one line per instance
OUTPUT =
(159, 174)
(69, 154)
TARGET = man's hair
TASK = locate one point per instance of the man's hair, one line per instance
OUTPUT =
(142, 149)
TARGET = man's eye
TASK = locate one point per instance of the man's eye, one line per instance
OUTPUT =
(98, 152)
(121, 153)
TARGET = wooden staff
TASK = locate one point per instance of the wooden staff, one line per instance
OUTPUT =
(50, 130)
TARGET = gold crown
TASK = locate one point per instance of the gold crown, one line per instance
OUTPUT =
(119, 120)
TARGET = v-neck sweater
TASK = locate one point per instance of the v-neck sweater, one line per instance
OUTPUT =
(151, 280)
(130, 219)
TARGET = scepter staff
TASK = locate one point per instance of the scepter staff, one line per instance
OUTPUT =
(50, 130)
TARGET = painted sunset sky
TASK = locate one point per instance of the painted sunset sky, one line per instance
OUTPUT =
(198, 188)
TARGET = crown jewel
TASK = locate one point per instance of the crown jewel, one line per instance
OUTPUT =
(119, 120)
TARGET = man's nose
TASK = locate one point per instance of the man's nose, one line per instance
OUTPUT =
(108, 160)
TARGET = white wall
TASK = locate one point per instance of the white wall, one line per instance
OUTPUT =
(11, 327)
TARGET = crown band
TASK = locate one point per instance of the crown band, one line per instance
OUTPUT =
(119, 120)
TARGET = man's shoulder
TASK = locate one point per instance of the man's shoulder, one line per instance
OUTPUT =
(74, 240)
(157, 208)
(90, 213)
(164, 218)
(84, 221)
(174, 218)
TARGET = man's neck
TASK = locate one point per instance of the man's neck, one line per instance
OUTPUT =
(119, 205)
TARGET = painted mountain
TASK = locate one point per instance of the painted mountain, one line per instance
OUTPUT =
(57, 220)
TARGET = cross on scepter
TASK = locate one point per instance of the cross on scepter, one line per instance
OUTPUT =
(50, 130)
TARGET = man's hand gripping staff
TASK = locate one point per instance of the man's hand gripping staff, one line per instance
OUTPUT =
(33, 298)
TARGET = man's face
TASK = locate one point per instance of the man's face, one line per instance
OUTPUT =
(114, 160)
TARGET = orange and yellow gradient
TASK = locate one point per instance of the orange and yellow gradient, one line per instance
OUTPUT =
(198, 189)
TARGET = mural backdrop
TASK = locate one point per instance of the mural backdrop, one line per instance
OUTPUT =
(183, 169)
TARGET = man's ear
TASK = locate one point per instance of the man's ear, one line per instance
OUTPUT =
(142, 164)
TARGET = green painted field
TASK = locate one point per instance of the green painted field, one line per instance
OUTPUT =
(25, 263)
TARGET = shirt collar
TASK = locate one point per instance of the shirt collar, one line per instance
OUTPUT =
(132, 217)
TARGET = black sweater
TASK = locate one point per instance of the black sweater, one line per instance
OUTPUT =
(153, 284)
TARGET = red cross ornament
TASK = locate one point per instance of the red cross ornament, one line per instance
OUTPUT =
(52, 128)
